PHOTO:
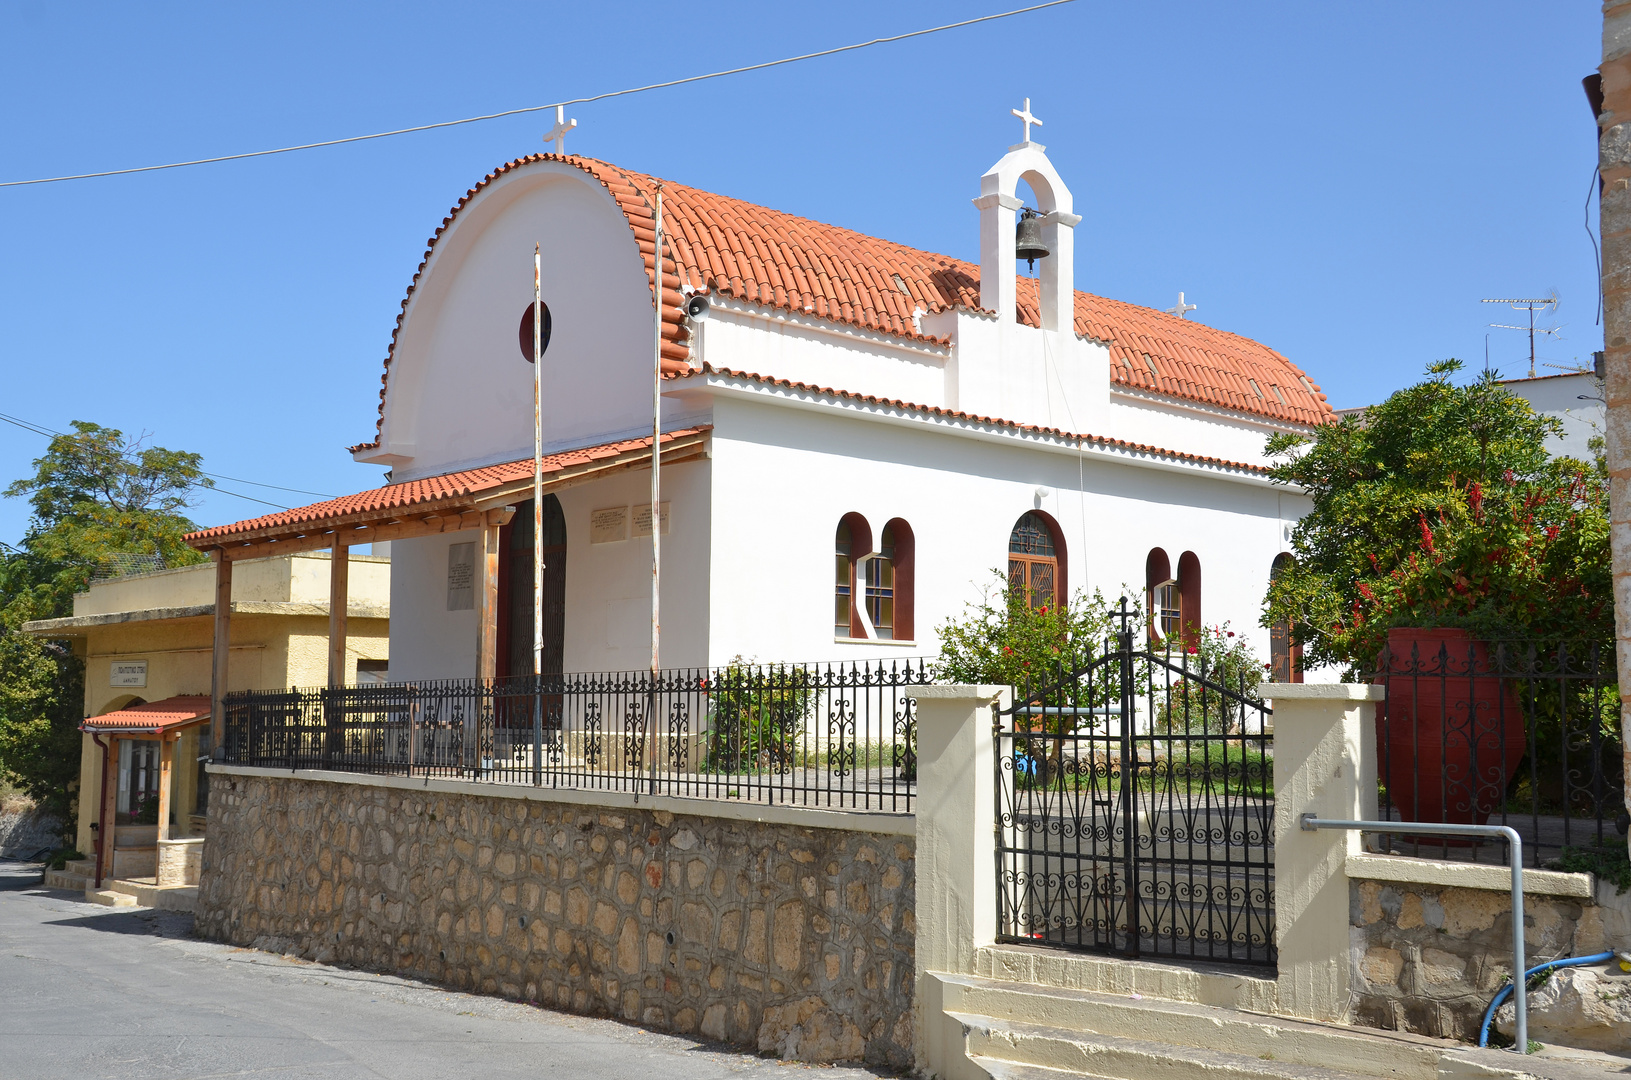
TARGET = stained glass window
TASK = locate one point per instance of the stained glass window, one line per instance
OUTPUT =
(1033, 564)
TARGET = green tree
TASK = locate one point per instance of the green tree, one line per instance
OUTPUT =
(1427, 491)
(95, 495)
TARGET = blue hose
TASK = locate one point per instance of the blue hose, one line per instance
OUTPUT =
(1573, 961)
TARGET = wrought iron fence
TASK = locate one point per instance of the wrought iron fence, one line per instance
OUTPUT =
(1522, 734)
(1135, 809)
(830, 735)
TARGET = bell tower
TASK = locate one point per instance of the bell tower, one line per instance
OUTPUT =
(1054, 223)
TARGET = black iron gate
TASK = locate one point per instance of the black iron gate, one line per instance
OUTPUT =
(1135, 807)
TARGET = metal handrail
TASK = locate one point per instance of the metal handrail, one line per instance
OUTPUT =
(1520, 1003)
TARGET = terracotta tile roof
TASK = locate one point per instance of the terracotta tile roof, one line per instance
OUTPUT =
(952, 414)
(153, 717)
(775, 259)
(424, 496)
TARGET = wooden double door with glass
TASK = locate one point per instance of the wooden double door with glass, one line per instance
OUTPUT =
(515, 604)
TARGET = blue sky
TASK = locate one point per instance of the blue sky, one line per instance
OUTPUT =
(1341, 182)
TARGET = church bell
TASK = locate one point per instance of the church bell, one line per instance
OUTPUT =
(1028, 243)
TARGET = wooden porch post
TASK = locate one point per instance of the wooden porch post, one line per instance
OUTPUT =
(222, 646)
(486, 635)
(338, 597)
(487, 599)
(166, 761)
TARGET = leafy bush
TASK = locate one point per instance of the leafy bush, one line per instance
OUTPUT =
(1214, 656)
(756, 715)
(1002, 641)
(62, 857)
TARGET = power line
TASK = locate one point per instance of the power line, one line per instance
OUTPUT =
(50, 434)
(538, 108)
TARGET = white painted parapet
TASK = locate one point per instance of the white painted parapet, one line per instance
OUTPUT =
(956, 858)
(1324, 764)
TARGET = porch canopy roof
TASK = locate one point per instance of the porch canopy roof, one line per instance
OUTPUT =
(153, 718)
(452, 502)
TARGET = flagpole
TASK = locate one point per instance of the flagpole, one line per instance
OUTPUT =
(656, 480)
(537, 504)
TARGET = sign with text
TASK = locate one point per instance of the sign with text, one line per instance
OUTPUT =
(609, 525)
(642, 518)
(461, 577)
(129, 673)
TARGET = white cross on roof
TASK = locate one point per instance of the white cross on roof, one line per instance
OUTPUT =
(557, 134)
(1181, 308)
(1026, 118)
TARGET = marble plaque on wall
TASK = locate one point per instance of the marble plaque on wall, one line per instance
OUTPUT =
(609, 525)
(461, 577)
(641, 512)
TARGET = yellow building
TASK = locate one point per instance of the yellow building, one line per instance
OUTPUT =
(146, 641)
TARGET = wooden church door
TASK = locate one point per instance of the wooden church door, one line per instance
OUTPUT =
(515, 591)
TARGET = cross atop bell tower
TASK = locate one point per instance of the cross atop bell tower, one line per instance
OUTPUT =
(1026, 118)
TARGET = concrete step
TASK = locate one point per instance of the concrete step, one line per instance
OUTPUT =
(1360, 1051)
(74, 876)
(147, 894)
(1013, 1070)
(1084, 1053)
(109, 898)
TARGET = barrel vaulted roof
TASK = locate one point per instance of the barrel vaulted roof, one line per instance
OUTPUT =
(733, 248)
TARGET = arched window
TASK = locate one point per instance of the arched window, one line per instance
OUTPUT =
(890, 577)
(852, 542)
(1036, 559)
(1189, 598)
(1285, 659)
(1161, 596)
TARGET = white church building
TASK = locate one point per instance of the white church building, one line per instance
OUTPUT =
(855, 436)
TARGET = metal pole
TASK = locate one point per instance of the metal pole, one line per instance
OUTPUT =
(1520, 1000)
(537, 512)
(656, 482)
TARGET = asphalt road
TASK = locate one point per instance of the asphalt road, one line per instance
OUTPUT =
(89, 991)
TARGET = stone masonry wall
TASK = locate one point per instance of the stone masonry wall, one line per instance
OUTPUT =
(796, 941)
(1428, 959)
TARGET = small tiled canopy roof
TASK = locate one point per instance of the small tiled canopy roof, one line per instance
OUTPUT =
(733, 248)
(449, 494)
(154, 717)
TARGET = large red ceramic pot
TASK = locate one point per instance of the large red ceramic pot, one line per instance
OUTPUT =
(1451, 733)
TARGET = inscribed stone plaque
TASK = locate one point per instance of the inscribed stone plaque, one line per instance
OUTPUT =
(642, 518)
(609, 525)
(461, 577)
(129, 673)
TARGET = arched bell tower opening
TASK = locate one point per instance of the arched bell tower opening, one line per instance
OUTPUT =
(1000, 207)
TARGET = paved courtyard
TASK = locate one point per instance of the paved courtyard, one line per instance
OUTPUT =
(88, 991)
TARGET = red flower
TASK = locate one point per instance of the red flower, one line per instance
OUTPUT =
(1364, 590)
(1426, 534)
(1231, 633)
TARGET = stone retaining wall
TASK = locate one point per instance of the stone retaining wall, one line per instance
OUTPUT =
(1429, 958)
(797, 941)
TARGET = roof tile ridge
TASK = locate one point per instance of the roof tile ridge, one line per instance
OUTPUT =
(1105, 440)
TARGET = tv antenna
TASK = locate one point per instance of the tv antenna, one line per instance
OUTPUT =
(1546, 304)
